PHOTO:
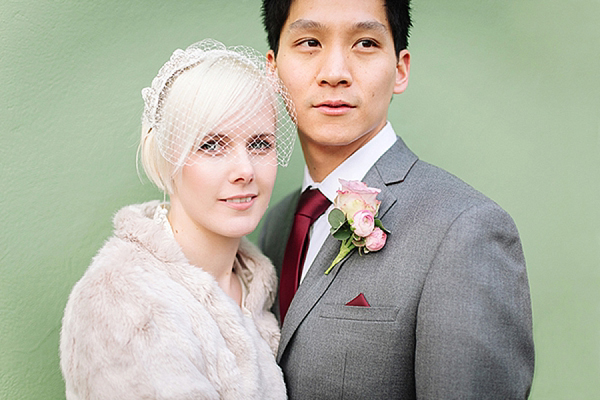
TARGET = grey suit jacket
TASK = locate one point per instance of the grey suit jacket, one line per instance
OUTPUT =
(450, 314)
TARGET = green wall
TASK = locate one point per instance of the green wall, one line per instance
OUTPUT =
(503, 93)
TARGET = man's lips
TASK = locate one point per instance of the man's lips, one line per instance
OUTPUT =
(334, 104)
(334, 107)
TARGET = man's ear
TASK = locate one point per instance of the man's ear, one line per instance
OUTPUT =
(271, 63)
(402, 71)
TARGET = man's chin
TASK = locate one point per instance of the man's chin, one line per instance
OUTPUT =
(336, 137)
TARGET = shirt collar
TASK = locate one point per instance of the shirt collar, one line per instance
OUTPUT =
(355, 167)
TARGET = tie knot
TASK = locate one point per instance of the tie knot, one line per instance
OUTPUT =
(312, 204)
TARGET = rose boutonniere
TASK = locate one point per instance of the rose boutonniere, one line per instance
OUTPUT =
(354, 220)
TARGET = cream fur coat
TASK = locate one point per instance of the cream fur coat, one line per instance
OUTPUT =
(143, 323)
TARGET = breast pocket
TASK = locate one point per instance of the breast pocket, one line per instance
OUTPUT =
(370, 348)
(374, 314)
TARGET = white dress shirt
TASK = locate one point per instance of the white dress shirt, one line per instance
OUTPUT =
(354, 168)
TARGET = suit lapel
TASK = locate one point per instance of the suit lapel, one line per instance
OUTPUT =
(310, 291)
(391, 168)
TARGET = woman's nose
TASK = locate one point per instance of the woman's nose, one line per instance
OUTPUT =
(242, 167)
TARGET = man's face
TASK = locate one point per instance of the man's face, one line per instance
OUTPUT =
(337, 59)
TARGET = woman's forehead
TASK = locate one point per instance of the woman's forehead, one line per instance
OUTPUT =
(261, 118)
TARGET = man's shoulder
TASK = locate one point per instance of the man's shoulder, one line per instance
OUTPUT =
(282, 208)
(275, 221)
(438, 180)
(290, 200)
(428, 181)
(435, 195)
(402, 171)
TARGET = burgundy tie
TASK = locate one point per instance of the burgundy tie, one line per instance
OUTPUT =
(311, 206)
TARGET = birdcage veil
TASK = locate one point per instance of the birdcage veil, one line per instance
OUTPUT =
(207, 100)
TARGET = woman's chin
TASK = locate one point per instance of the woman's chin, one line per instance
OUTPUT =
(241, 231)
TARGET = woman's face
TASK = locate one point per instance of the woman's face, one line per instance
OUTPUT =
(227, 185)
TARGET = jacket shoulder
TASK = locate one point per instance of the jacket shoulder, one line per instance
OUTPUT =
(275, 221)
(283, 206)
(438, 191)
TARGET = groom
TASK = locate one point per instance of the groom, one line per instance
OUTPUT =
(443, 309)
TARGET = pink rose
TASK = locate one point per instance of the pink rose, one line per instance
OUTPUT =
(376, 240)
(350, 203)
(363, 223)
(356, 196)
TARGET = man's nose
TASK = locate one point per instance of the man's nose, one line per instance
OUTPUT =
(335, 67)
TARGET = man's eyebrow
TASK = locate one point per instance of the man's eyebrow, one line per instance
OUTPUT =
(370, 26)
(305, 24)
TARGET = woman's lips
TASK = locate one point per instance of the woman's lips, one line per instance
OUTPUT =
(240, 203)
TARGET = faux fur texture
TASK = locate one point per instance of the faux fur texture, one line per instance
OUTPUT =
(143, 323)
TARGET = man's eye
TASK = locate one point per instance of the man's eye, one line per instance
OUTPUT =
(310, 43)
(366, 43)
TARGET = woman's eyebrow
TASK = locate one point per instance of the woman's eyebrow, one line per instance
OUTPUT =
(214, 136)
(262, 136)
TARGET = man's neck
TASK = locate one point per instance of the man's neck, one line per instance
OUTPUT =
(322, 160)
(356, 166)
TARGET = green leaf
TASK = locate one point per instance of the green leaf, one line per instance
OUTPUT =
(342, 234)
(380, 226)
(336, 219)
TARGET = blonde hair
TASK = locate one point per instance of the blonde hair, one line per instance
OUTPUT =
(222, 88)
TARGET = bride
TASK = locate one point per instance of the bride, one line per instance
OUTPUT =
(176, 304)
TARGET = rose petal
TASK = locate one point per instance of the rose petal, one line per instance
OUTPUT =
(363, 223)
(376, 240)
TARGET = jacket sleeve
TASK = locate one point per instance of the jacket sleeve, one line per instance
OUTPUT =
(116, 344)
(474, 329)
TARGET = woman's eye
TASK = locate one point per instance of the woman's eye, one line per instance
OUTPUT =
(211, 146)
(261, 144)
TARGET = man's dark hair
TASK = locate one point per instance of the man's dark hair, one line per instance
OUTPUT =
(276, 12)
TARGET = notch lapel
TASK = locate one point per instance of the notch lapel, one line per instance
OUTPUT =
(313, 286)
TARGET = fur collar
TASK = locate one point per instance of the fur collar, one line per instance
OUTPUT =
(136, 223)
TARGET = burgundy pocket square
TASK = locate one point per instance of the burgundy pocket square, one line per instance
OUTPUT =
(359, 301)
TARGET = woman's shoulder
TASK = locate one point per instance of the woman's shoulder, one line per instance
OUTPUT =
(124, 321)
(138, 242)
(113, 283)
(124, 271)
